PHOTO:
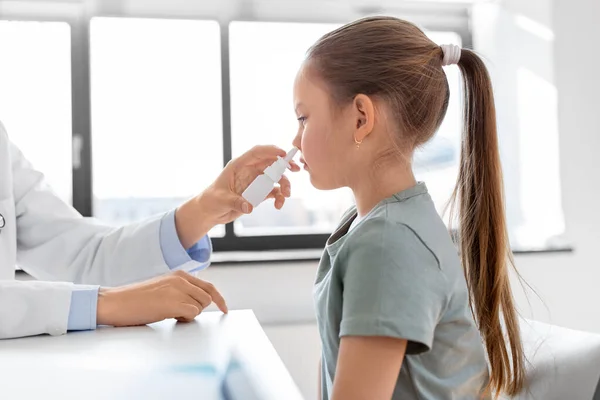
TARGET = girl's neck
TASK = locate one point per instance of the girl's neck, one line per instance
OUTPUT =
(371, 188)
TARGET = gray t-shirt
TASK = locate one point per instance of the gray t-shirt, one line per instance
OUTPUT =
(397, 274)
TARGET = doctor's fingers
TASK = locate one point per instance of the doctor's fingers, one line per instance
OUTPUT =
(183, 291)
(182, 306)
(286, 186)
(277, 194)
(210, 289)
(185, 312)
(199, 295)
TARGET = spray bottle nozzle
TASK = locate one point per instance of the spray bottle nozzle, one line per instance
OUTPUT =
(290, 154)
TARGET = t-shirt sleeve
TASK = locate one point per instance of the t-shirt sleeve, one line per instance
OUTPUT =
(393, 286)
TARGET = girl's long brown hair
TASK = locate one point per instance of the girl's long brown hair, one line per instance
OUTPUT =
(393, 60)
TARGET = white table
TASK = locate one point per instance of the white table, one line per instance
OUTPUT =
(215, 357)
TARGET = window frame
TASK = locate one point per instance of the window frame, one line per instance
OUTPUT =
(79, 20)
(72, 14)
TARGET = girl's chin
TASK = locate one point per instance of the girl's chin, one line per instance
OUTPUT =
(318, 183)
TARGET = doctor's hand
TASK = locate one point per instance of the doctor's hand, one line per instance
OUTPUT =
(177, 295)
(222, 202)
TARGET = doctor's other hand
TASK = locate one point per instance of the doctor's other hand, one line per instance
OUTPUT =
(176, 295)
(222, 202)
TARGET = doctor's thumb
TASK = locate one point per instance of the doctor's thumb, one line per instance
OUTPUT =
(239, 204)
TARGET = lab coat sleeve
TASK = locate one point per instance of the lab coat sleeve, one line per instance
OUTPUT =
(55, 243)
(32, 308)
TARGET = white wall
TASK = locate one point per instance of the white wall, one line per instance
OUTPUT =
(569, 284)
(516, 41)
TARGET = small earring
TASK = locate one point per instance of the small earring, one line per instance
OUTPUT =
(358, 143)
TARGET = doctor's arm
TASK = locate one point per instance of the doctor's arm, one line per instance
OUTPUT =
(84, 298)
(56, 243)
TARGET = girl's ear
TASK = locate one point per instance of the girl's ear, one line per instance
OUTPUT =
(364, 113)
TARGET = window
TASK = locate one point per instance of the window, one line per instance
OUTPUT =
(156, 114)
(161, 128)
(156, 90)
(169, 104)
(527, 113)
(264, 60)
(35, 96)
(538, 222)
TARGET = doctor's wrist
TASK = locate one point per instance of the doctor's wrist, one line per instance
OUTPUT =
(105, 307)
(192, 222)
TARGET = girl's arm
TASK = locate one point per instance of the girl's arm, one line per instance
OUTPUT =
(368, 367)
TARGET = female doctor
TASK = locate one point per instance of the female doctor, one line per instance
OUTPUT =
(91, 274)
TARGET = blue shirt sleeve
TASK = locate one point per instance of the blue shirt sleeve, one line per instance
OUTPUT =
(174, 253)
(83, 309)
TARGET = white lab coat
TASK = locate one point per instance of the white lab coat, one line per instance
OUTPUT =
(51, 241)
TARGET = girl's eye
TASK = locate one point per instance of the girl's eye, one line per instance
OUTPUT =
(302, 120)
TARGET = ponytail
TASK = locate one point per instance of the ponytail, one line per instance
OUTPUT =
(484, 244)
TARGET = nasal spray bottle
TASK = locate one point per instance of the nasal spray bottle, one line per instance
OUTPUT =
(260, 188)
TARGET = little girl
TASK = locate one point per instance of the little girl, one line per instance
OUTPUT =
(398, 315)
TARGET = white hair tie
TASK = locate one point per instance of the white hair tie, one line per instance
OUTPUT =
(451, 54)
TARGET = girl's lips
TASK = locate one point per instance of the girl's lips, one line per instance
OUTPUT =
(304, 164)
